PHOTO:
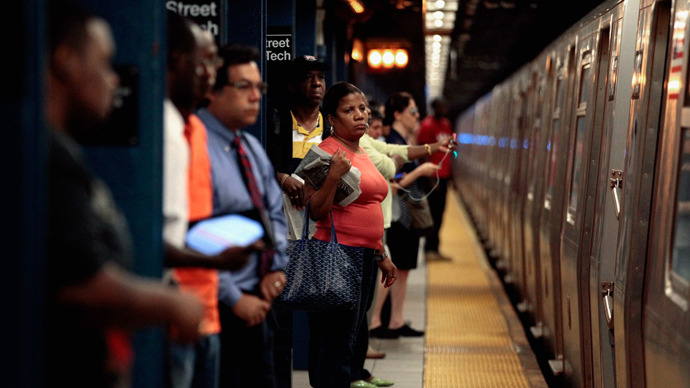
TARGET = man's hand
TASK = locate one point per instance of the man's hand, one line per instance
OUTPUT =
(272, 284)
(235, 258)
(251, 309)
(186, 317)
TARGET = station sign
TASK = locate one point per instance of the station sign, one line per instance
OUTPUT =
(279, 44)
(206, 13)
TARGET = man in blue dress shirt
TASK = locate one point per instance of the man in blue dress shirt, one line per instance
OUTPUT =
(245, 295)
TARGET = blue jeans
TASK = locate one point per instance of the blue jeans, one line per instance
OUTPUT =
(196, 365)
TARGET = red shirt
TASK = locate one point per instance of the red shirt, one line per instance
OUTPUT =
(432, 130)
(200, 281)
(359, 224)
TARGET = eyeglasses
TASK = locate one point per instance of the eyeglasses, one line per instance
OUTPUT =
(216, 62)
(245, 86)
(414, 111)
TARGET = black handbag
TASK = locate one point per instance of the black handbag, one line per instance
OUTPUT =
(321, 275)
(421, 213)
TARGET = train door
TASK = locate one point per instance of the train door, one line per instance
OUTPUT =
(666, 316)
(637, 182)
(576, 234)
(605, 228)
(479, 120)
(533, 200)
(517, 199)
(552, 209)
(504, 108)
(596, 189)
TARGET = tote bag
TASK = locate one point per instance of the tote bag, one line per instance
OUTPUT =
(321, 275)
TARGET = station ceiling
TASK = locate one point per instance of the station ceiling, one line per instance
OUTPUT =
(489, 39)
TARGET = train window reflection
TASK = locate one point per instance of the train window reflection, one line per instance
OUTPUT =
(680, 260)
(585, 83)
(555, 133)
(612, 78)
(554, 158)
(584, 86)
(577, 164)
(585, 80)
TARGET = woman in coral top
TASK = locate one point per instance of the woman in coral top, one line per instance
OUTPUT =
(359, 224)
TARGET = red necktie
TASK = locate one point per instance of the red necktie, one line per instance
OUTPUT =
(257, 200)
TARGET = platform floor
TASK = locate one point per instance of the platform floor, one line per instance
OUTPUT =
(473, 336)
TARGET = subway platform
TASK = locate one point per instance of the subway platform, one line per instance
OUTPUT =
(473, 336)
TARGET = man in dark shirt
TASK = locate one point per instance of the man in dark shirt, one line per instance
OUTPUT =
(91, 302)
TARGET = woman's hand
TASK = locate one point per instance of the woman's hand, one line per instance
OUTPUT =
(340, 164)
(428, 168)
(389, 272)
(294, 190)
(398, 160)
(444, 145)
(322, 199)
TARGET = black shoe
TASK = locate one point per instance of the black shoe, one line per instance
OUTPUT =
(407, 331)
(382, 332)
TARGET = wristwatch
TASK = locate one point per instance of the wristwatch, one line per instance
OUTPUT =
(381, 256)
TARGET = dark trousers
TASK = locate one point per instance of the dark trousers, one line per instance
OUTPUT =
(437, 205)
(333, 335)
(246, 359)
(280, 321)
(357, 371)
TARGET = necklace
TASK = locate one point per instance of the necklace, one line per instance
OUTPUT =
(309, 128)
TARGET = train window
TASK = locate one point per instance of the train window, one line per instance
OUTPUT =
(585, 86)
(577, 166)
(535, 143)
(560, 94)
(585, 80)
(680, 257)
(555, 136)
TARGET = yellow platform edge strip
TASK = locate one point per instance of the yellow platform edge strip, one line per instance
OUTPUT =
(473, 337)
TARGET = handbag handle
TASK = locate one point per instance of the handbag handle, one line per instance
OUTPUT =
(305, 227)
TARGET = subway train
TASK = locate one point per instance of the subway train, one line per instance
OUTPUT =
(576, 173)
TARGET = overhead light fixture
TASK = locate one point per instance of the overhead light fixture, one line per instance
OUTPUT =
(356, 6)
(357, 50)
(374, 58)
(388, 58)
(439, 20)
(401, 58)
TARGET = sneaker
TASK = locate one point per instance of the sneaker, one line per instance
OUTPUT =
(380, 382)
(384, 333)
(361, 384)
(406, 331)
